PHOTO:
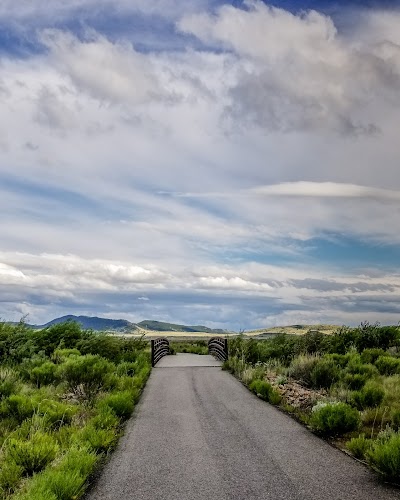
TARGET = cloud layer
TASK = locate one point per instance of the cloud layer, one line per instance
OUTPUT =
(247, 176)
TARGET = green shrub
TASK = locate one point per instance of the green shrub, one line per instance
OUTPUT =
(265, 391)
(384, 456)
(375, 417)
(34, 454)
(395, 419)
(81, 460)
(339, 359)
(359, 446)
(105, 419)
(10, 476)
(57, 484)
(302, 367)
(98, 440)
(89, 372)
(7, 425)
(371, 355)
(368, 370)
(334, 418)
(18, 406)
(121, 403)
(324, 374)
(387, 365)
(60, 355)
(355, 381)
(55, 412)
(127, 369)
(8, 382)
(370, 396)
(274, 397)
(44, 374)
(23, 407)
(261, 388)
(67, 480)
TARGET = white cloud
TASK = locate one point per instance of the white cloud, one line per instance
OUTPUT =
(327, 190)
(108, 72)
(297, 73)
(46, 283)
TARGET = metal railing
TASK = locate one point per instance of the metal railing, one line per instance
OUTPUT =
(218, 347)
(159, 348)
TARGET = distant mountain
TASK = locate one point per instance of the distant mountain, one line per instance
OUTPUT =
(161, 326)
(94, 323)
(103, 324)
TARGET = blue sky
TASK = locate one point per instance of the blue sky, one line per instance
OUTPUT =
(230, 164)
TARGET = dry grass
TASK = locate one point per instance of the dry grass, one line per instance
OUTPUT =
(171, 335)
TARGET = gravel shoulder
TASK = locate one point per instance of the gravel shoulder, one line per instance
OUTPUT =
(199, 434)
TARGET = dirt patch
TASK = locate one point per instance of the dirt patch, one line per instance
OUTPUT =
(295, 394)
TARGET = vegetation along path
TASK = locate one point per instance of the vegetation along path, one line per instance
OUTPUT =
(198, 433)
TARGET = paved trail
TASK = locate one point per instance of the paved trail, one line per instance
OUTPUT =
(198, 434)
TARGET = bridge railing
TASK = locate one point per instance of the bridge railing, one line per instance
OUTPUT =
(159, 348)
(218, 347)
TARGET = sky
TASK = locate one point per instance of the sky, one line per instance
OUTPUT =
(195, 161)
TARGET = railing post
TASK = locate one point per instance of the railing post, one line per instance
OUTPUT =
(218, 347)
(159, 348)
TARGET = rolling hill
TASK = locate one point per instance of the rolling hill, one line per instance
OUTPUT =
(122, 325)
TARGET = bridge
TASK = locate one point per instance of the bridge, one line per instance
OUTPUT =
(217, 347)
(199, 434)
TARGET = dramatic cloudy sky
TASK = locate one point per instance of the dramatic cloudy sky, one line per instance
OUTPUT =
(231, 164)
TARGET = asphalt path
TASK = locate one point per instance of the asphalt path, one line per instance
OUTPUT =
(199, 434)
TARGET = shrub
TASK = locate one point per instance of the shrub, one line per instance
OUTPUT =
(127, 369)
(359, 446)
(260, 388)
(79, 459)
(55, 412)
(10, 476)
(105, 419)
(367, 370)
(121, 403)
(387, 365)
(19, 406)
(370, 396)
(324, 374)
(44, 374)
(384, 456)
(371, 355)
(60, 355)
(98, 440)
(274, 397)
(8, 382)
(302, 366)
(377, 417)
(334, 418)
(88, 371)
(34, 454)
(57, 484)
(66, 481)
(265, 390)
(339, 359)
(355, 381)
(395, 419)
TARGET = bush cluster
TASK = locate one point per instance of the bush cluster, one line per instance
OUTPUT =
(63, 398)
(358, 368)
(334, 418)
(265, 391)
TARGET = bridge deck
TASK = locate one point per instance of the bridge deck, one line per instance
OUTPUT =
(181, 360)
(198, 434)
